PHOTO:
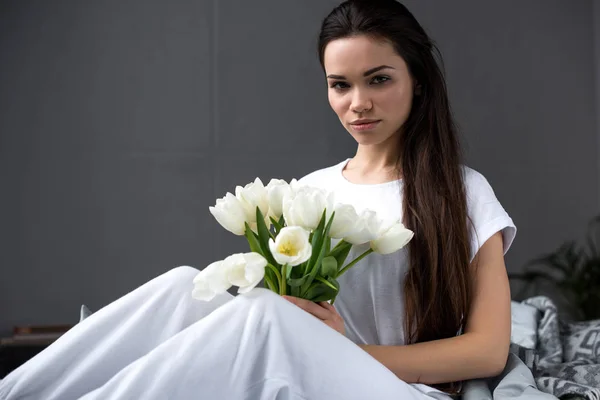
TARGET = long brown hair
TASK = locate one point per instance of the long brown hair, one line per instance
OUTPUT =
(438, 286)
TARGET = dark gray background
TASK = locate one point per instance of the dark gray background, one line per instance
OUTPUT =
(121, 122)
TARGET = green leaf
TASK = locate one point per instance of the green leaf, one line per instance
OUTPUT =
(323, 248)
(277, 225)
(334, 282)
(297, 273)
(329, 266)
(325, 282)
(320, 291)
(319, 252)
(297, 282)
(272, 279)
(263, 236)
(295, 291)
(341, 251)
(316, 242)
(263, 231)
(252, 240)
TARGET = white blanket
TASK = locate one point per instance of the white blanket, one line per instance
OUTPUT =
(159, 343)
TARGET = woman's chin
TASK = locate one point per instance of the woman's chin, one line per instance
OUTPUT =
(370, 138)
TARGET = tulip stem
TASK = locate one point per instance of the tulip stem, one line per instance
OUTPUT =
(347, 267)
(341, 242)
(282, 279)
(269, 283)
(277, 274)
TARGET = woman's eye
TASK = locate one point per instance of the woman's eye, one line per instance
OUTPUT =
(380, 79)
(339, 85)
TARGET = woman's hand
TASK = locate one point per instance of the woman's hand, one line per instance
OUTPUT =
(322, 310)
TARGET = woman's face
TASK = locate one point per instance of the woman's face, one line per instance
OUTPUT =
(367, 80)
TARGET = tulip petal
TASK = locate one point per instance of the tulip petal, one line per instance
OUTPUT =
(291, 246)
(392, 239)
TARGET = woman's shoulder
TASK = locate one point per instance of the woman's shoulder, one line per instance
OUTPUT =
(486, 212)
(477, 186)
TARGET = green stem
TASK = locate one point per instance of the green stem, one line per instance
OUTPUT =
(276, 271)
(282, 286)
(340, 243)
(347, 267)
(269, 283)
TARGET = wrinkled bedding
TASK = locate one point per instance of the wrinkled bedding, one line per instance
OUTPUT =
(548, 359)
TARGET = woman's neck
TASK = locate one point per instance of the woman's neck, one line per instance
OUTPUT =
(382, 158)
(369, 167)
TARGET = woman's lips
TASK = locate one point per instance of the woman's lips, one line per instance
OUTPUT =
(365, 126)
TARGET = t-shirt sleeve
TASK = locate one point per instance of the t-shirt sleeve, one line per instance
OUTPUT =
(486, 213)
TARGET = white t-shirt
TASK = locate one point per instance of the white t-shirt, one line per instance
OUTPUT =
(370, 299)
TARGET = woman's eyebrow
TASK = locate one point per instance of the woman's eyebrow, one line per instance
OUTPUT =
(367, 73)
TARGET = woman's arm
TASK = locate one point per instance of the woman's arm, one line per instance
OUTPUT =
(481, 351)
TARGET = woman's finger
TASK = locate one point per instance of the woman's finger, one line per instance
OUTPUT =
(310, 307)
(328, 306)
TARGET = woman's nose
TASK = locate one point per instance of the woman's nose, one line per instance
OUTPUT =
(360, 102)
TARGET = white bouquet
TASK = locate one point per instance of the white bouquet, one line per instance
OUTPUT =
(290, 229)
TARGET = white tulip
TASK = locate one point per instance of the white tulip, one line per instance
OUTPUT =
(245, 270)
(230, 213)
(295, 185)
(392, 239)
(251, 196)
(211, 281)
(368, 227)
(276, 191)
(344, 221)
(304, 206)
(291, 246)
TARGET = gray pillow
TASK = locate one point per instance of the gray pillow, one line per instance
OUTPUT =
(581, 341)
(528, 356)
(524, 324)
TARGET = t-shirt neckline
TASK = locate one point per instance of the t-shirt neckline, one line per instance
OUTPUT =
(363, 185)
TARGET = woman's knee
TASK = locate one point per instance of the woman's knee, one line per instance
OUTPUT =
(264, 302)
(184, 271)
(262, 296)
(178, 279)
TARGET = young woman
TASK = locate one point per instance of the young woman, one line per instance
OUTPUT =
(404, 326)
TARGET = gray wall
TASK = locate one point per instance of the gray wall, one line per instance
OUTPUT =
(596, 23)
(521, 77)
(121, 122)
